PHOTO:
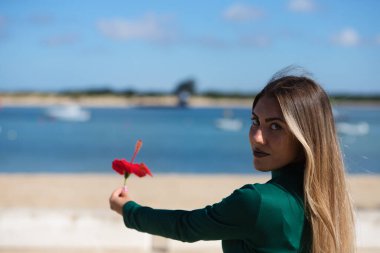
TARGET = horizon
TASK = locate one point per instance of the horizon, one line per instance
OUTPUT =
(206, 93)
(225, 46)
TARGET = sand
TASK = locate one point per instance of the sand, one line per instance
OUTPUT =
(36, 99)
(70, 213)
(51, 99)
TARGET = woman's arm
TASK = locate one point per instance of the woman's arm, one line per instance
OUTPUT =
(232, 218)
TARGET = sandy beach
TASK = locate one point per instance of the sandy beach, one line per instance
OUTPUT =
(117, 101)
(53, 99)
(70, 213)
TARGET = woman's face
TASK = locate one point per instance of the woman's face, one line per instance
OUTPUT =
(272, 143)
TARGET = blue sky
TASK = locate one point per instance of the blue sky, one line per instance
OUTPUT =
(53, 45)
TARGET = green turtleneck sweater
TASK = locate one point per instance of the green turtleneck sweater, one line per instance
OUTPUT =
(266, 217)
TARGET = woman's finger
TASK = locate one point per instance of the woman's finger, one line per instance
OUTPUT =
(116, 193)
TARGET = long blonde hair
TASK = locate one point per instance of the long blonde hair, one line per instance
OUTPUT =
(308, 113)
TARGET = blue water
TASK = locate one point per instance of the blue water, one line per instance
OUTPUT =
(175, 140)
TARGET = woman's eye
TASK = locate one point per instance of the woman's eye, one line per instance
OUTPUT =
(255, 122)
(275, 126)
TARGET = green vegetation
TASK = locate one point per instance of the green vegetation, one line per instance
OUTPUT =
(187, 86)
(355, 97)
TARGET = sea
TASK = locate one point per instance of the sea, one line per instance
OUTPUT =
(175, 140)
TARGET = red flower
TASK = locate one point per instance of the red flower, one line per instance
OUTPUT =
(123, 167)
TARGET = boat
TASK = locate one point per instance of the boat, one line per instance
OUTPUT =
(353, 129)
(68, 112)
(228, 122)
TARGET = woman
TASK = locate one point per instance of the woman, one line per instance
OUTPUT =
(305, 207)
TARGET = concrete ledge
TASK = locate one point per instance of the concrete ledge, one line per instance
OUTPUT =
(103, 231)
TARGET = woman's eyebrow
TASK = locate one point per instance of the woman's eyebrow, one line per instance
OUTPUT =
(274, 119)
(270, 118)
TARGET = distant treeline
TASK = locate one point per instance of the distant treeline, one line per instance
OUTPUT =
(355, 97)
(338, 97)
(212, 94)
(99, 92)
(132, 93)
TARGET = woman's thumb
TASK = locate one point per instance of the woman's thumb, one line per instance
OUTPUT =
(123, 191)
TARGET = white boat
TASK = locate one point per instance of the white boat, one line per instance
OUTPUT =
(228, 122)
(68, 112)
(353, 129)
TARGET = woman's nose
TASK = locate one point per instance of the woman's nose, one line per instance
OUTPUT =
(257, 135)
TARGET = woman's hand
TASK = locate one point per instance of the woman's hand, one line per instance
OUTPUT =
(118, 198)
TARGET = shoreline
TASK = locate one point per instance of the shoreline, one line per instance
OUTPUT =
(104, 101)
(118, 101)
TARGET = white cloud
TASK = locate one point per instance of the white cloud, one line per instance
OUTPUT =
(377, 40)
(149, 27)
(241, 12)
(60, 40)
(211, 42)
(256, 41)
(302, 5)
(3, 27)
(348, 37)
(41, 19)
(2, 22)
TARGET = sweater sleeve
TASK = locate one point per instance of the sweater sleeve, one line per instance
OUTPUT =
(232, 218)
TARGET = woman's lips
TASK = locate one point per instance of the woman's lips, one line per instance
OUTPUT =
(259, 154)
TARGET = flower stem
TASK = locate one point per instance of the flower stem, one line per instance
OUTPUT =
(126, 175)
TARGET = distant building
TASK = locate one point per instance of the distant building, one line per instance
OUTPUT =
(183, 98)
(183, 91)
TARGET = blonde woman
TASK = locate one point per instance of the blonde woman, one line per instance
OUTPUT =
(305, 207)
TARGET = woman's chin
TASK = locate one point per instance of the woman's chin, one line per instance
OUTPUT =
(261, 167)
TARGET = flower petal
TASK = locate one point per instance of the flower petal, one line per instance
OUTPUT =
(122, 166)
(118, 166)
(141, 170)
